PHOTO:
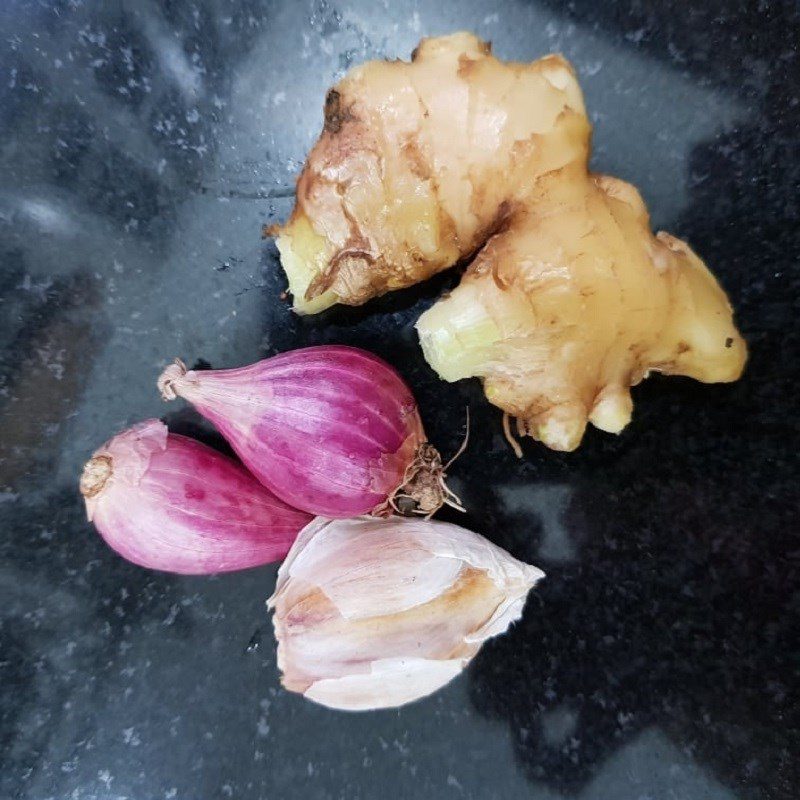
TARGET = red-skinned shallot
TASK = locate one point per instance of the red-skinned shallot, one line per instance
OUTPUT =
(167, 502)
(332, 430)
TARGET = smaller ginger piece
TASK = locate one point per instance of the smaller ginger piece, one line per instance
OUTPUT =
(573, 303)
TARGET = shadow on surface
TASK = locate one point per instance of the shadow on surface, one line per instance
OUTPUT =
(678, 607)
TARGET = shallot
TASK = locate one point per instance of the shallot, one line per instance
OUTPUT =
(375, 613)
(332, 430)
(167, 502)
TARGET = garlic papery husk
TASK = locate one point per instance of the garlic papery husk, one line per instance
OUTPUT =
(333, 430)
(170, 503)
(373, 613)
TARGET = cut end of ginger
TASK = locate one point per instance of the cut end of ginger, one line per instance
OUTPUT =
(458, 337)
(303, 255)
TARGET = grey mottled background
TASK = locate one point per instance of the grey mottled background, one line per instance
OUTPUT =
(143, 144)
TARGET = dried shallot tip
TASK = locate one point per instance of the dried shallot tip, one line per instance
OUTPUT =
(424, 489)
(372, 613)
(332, 430)
(167, 502)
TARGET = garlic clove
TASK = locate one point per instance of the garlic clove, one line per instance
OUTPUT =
(322, 642)
(375, 567)
(390, 682)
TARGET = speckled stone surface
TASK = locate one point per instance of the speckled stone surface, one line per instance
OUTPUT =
(143, 145)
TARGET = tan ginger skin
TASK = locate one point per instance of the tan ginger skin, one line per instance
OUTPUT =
(571, 299)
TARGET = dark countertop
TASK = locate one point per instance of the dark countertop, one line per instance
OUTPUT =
(143, 145)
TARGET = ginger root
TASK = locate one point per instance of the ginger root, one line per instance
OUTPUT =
(571, 299)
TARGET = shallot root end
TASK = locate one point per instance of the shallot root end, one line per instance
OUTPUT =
(96, 472)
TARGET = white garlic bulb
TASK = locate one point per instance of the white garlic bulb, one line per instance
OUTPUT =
(375, 613)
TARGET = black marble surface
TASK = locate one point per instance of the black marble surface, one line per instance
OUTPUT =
(143, 145)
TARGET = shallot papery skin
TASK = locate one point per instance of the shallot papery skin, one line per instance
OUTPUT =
(331, 429)
(167, 502)
(375, 613)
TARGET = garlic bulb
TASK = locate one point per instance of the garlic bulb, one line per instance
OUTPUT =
(373, 613)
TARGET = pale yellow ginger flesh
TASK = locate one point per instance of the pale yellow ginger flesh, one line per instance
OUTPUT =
(571, 299)
(573, 303)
